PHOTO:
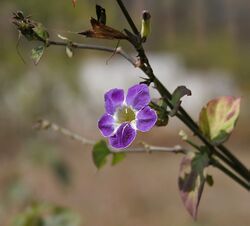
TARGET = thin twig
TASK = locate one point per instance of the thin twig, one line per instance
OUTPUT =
(117, 50)
(43, 124)
(152, 149)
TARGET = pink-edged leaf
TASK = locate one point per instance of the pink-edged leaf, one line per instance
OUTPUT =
(192, 177)
(218, 118)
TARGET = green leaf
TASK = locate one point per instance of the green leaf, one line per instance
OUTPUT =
(210, 180)
(192, 177)
(100, 154)
(37, 53)
(41, 32)
(218, 118)
(160, 106)
(179, 92)
(117, 158)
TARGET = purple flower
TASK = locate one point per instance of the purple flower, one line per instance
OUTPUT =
(124, 116)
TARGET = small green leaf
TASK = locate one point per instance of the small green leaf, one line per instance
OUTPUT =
(218, 118)
(117, 158)
(179, 92)
(210, 180)
(37, 53)
(192, 177)
(41, 32)
(100, 154)
(160, 106)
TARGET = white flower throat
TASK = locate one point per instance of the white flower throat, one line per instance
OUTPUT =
(125, 114)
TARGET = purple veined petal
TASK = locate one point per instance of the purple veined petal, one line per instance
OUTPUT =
(138, 96)
(146, 119)
(123, 137)
(106, 125)
(113, 99)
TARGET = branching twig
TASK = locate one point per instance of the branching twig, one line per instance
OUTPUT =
(152, 149)
(43, 124)
(117, 50)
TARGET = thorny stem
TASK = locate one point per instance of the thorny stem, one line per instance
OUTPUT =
(221, 152)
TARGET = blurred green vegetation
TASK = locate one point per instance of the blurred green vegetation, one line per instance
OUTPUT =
(42, 214)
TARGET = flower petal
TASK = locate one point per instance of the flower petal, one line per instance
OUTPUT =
(146, 119)
(113, 99)
(106, 125)
(138, 96)
(124, 136)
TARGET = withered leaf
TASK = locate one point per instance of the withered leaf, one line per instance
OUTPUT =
(101, 14)
(102, 31)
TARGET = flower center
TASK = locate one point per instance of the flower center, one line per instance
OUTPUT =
(125, 114)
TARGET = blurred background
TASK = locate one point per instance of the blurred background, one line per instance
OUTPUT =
(203, 44)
